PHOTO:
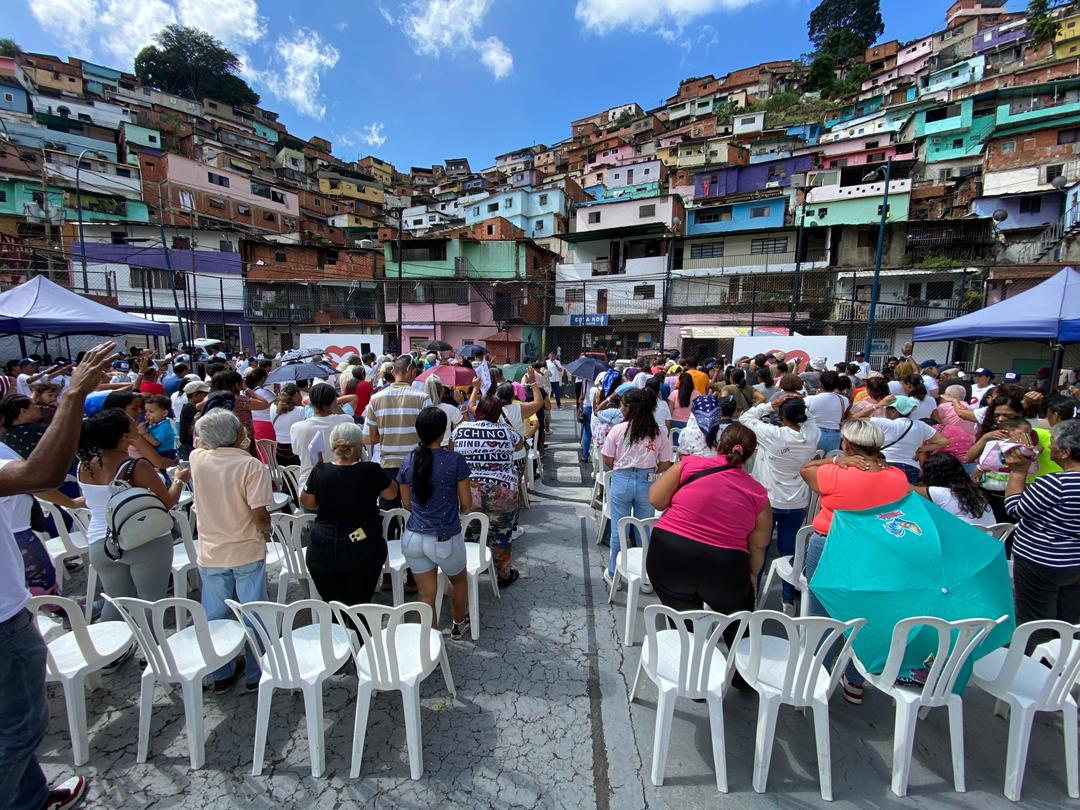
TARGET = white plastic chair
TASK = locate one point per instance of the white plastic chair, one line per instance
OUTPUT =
(956, 642)
(603, 481)
(1026, 686)
(294, 658)
(395, 564)
(630, 565)
(393, 655)
(288, 530)
(75, 655)
(184, 657)
(70, 544)
(790, 570)
(1000, 531)
(790, 669)
(478, 560)
(185, 554)
(596, 499)
(685, 663)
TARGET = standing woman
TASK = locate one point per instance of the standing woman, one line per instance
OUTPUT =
(255, 381)
(347, 549)
(915, 388)
(103, 455)
(488, 445)
(435, 489)
(635, 450)
(23, 427)
(436, 392)
(744, 395)
(287, 410)
(701, 556)
(680, 400)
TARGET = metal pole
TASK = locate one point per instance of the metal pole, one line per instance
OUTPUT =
(172, 284)
(434, 326)
(796, 290)
(221, 292)
(664, 298)
(400, 337)
(875, 289)
(753, 303)
(78, 214)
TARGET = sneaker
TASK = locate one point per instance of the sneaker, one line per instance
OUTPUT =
(609, 579)
(225, 684)
(646, 587)
(789, 609)
(518, 532)
(459, 629)
(110, 668)
(68, 794)
(853, 693)
(251, 688)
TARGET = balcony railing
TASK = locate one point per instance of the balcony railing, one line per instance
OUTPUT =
(933, 311)
(765, 261)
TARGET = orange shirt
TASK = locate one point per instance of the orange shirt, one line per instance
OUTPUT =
(852, 490)
(701, 380)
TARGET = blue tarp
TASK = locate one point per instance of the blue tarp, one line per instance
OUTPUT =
(1049, 312)
(42, 307)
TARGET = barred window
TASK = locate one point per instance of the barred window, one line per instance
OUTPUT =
(707, 250)
(769, 245)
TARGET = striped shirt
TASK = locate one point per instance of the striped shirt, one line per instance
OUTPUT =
(393, 411)
(1048, 520)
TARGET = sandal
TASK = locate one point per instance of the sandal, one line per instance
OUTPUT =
(510, 580)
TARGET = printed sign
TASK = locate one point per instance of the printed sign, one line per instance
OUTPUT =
(484, 373)
(596, 319)
(799, 349)
(339, 347)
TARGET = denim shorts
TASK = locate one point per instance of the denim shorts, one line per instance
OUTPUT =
(425, 552)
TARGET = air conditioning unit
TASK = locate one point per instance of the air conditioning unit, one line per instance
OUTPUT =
(773, 184)
(366, 244)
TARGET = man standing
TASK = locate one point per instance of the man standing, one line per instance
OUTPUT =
(700, 378)
(24, 713)
(983, 385)
(864, 367)
(555, 374)
(390, 418)
(233, 491)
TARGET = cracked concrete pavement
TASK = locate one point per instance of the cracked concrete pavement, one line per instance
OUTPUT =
(541, 718)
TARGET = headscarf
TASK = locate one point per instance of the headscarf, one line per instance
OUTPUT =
(641, 378)
(706, 412)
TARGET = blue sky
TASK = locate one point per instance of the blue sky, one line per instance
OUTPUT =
(418, 81)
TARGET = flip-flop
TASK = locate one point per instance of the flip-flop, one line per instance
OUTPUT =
(510, 580)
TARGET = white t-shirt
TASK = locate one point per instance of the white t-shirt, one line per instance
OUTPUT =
(896, 388)
(555, 369)
(13, 593)
(283, 424)
(864, 369)
(925, 407)
(15, 508)
(453, 418)
(303, 431)
(662, 414)
(22, 384)
(902, 438)
(944, 497)
(263, 414)
(827, 408)
(980, 391)
(931, 384)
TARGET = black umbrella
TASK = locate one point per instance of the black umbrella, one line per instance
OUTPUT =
(586, 368)
(472, 350)
(439, 346)
(291, 372)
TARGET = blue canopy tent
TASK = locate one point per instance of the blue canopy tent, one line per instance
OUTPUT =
(40, 307)
(1048, 312)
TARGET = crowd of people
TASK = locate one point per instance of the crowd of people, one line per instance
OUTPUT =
(771, 439)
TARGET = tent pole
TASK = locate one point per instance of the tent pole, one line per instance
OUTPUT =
(22, 345)
(1055, 366)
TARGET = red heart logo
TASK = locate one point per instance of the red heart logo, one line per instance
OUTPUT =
(339, 353)
(796, 359)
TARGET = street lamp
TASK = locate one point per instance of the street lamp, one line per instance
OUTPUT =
(799, 181)
(875, 289)
(78, 214)
(676, 222)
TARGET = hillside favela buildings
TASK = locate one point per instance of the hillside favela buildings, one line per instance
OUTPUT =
(740, 203)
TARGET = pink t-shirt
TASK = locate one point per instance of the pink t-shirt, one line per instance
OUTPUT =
(642, 455)
(719, 510)
(680, 414)
(960, 440)
(947, 415)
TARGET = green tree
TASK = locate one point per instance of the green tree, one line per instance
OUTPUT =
(8, 47)
(189, 62)
(822, 74)
(859, 18)
(1040, 22)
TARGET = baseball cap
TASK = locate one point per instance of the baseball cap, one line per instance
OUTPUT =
(220, 356)
(904, 405)
(119, 365)
(859, 354)
(1011, 376)
(181, 358)
(928, 364)
(26, 361)
(195, 386)
(982, 372)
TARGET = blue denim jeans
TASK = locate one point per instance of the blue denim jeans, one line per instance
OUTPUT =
(245, 583)
(586, 432)
(24, 714)
(786, 524)
(829, 441)
(629, 497)
(813, 556)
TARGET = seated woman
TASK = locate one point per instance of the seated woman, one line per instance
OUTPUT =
(347, 549)
(859, 479)
(703, 556)
(946, 483)
(710, 416)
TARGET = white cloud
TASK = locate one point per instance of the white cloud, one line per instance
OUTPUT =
(295, 73)
(373, 136)
(666, 17)
(435, 27)
(387, 16)
(66, 19)
(125, 27)
(235, 22)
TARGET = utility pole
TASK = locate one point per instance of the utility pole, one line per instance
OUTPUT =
(875, 289)
(400, 339)
(796, 285)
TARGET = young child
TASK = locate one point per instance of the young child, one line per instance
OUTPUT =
(157, 429)
(195, 391)
(44, 395)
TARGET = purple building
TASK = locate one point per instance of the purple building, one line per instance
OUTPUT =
(747, 179)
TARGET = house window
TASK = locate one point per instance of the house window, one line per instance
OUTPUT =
(759, 211)
(1008, 147)
(839, 163)
(279, 256)
(644, 291)
(594, 217)
(508, 203)
(958, 143)
(1030, 205)
(539, 226)
(187, 201)
(490, 230)
(1053, 171)
(219, 179)
(122, 172)
(181, 243)
(277, 197)
(574, 296)
(768, 245)
(243, 210)
(157, 279)
(646, 211)
(115, 237)
(875, 157)
(707, 250)
(216, 202)
(867, 238)
(646, 171)
(542, 200)
(152, 138)
(707, 215)
(269, 216)
(939, 290)
(419, 221)
(225, 246)
(747, 121)
(1068, 136)
(492, 207)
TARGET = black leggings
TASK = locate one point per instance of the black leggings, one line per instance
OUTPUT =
(688, 575)
(343, 570)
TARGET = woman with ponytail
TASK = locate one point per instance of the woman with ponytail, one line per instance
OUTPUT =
(347, 549)
(709, 546)
(680, 400)
(287, 410)
(634, 450)
(743, 393)
(435, 489)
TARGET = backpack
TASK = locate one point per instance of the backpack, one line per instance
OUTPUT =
(133, 515)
